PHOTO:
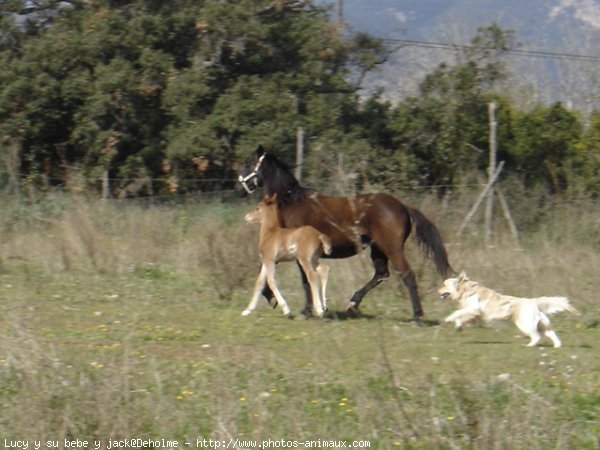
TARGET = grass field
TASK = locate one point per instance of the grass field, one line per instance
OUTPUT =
(122, 321)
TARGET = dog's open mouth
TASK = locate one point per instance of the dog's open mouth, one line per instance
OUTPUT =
(444, 295)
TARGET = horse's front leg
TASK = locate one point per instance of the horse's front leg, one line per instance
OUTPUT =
(380, 264)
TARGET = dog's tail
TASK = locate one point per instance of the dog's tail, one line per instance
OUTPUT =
(553, 305)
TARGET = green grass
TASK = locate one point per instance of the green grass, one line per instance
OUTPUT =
(117, 323)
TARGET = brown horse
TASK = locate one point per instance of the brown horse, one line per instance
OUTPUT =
(304, 244)
(379, 221)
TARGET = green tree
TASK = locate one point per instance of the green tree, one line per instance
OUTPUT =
(176, 90)
(443, 132)
(85, 93)
(263, 69)
(586, 157)
(544, 146)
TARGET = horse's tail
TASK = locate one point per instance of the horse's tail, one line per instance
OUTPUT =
(430, 241)
(326, 243)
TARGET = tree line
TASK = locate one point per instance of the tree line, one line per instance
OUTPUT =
(145, 96)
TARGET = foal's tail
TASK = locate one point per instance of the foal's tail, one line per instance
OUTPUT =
(326, 243)
(430, 240)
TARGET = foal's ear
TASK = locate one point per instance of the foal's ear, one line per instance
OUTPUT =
(270, 199)
(260, 151)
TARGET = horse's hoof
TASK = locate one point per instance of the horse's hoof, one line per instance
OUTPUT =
(301, 316)
(246, 312)
(353, 311)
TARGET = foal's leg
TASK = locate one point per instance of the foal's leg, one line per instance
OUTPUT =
(307, 310)
(269, 297)
(273, 285)
(323, 272)
(380, 263)
(313, 280)
(258, 287)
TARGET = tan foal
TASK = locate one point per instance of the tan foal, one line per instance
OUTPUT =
(304, 244)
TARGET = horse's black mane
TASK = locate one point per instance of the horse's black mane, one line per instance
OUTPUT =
(278, 179)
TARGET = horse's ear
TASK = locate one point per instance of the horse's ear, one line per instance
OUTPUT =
(463, 276)
(260, 151)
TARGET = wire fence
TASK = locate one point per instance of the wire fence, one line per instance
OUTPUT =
(203, 189)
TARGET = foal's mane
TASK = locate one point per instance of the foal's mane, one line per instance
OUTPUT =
(278, 179)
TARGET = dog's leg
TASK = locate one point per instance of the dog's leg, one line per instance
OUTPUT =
(546, 327)
(553, 336)
(454, 317)
(535, 338)
(462, 316)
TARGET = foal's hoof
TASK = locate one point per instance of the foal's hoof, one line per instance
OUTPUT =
(306, 313)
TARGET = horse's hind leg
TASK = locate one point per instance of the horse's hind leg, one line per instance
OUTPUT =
(403, 269)
(380, 263)
(410, 281)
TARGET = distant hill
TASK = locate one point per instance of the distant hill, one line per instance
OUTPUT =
(570, 27)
